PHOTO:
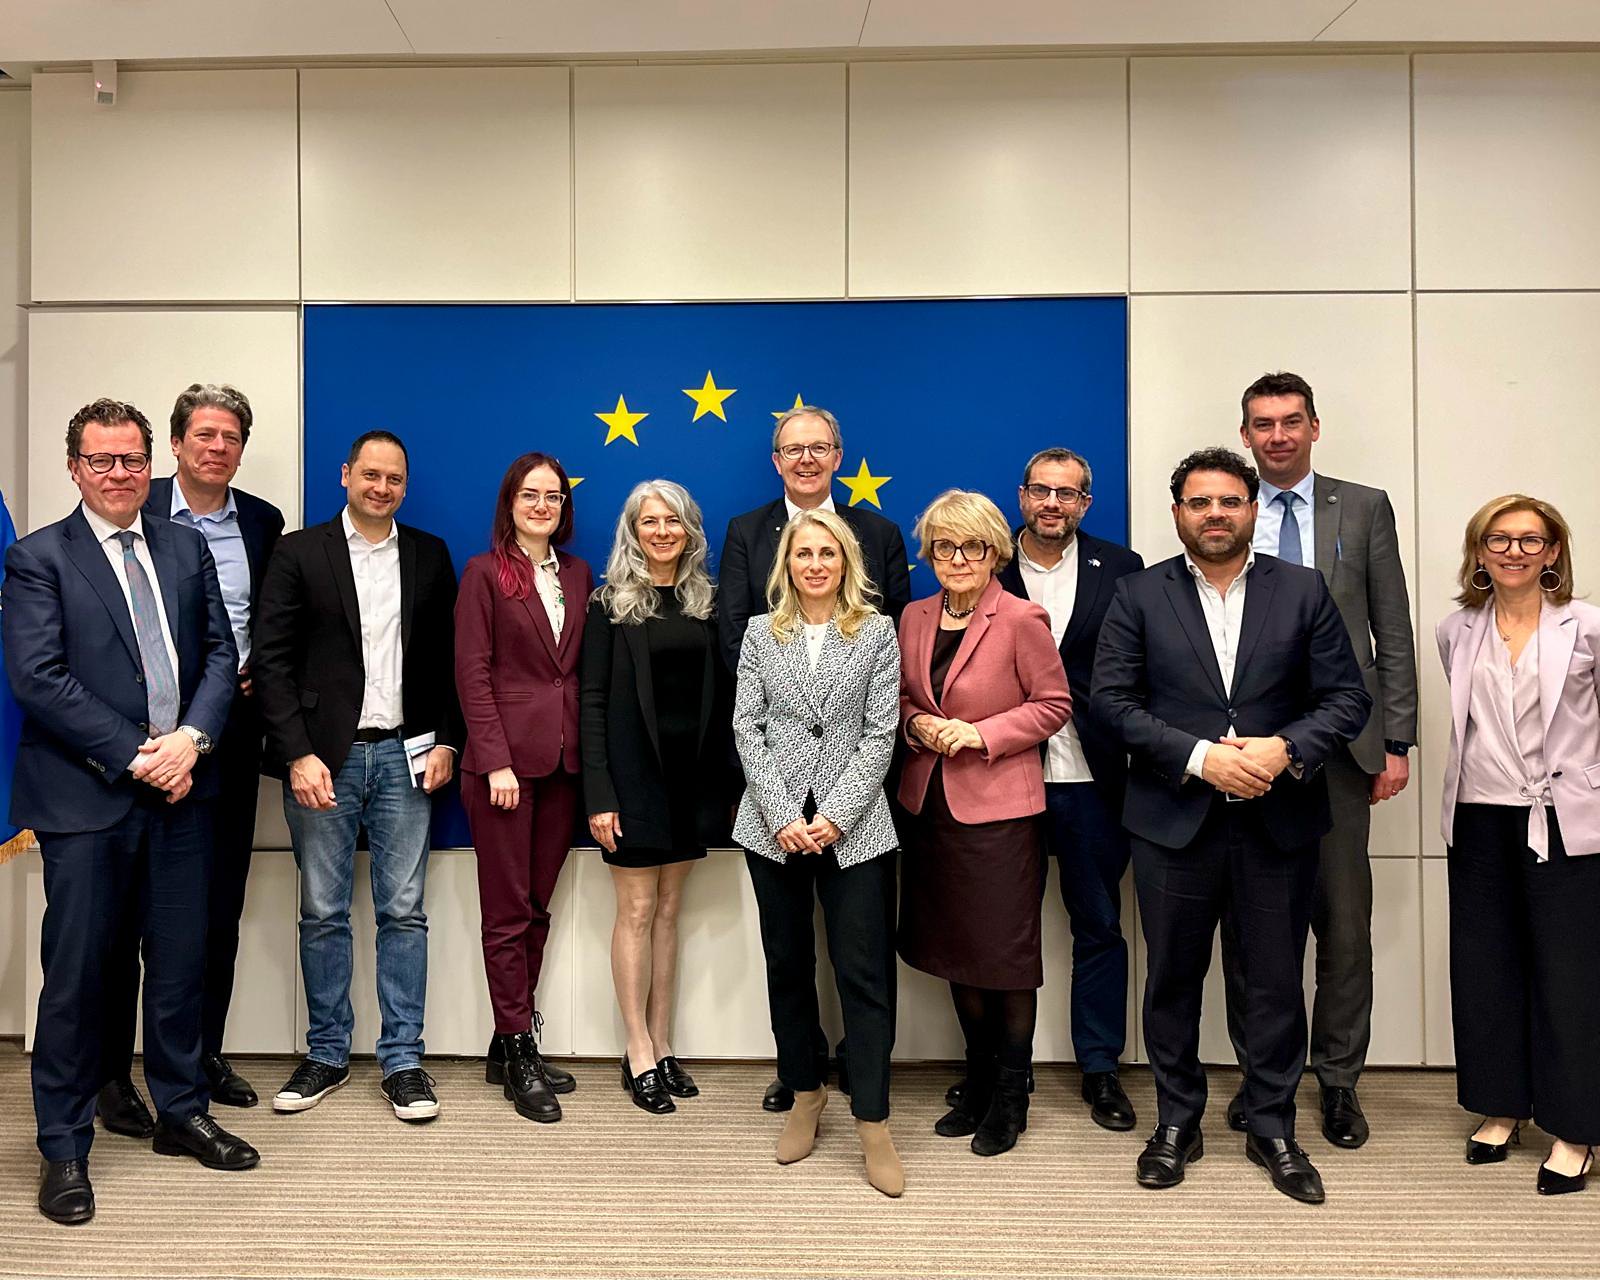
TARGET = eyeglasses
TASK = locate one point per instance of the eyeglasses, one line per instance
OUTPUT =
(972, 549)
(1230, 502)
(794, 452)
(533, 498)
(1530, 543)
(101, 463)
(1067, 497)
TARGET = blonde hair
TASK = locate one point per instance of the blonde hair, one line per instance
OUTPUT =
(857, 592)
(963, 514)
(1555, 526)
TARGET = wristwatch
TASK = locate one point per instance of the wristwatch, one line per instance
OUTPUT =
(1294, 753)
(1396, 748)
(201, 739)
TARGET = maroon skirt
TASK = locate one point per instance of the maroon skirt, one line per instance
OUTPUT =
(970, 894)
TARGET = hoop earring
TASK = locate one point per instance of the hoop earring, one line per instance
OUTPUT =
(1481, 586)
(1549, 586)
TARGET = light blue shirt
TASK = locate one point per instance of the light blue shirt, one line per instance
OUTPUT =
(1269, 518)
(226, 540)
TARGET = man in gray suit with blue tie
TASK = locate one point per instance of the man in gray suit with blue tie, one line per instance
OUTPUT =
(1347, 531)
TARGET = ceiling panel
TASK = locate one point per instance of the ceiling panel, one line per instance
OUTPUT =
(1468, 20)
(898, 23)
(490, 27)
(76, 30)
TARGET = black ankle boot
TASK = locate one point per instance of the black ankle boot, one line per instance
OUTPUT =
(1007, 1115)
(967, 1114)
(525, 1085)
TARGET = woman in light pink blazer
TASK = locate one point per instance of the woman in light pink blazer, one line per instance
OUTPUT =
(981, 688)
(1522, 822)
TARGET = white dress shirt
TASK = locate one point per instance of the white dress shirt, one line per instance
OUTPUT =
(1502, 754)
(376, 566)
(825, 505)
(1269, 518)
(1055, 590)
(1224, 619)
(106, 534)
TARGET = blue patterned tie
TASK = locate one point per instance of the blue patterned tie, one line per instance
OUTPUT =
(1289, 530)
(160, 682)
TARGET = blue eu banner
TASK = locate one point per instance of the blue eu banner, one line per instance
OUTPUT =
(12, 841)
(930, 395)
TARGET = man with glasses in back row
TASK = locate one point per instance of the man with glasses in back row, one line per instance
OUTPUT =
(119, 652)
(807, 449)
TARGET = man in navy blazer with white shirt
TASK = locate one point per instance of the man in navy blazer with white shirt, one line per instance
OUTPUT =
(118, 650)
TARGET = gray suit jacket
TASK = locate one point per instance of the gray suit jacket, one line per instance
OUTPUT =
(1358, 552)
(828, 732)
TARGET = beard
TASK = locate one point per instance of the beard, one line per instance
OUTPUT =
(1069, 526)
(1215, 552)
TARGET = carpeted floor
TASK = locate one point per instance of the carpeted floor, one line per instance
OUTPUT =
(347, 1191)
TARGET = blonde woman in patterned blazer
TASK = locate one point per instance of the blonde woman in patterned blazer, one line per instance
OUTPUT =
(814, 719)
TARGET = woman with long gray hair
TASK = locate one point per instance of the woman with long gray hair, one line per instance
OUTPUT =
(655, 709)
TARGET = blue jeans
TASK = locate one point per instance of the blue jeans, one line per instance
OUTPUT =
(373, 790)
(1093, 853)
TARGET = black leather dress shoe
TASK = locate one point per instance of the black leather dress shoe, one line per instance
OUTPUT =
(1108, 1104)
(952, 1095)
(227, 1086)
(65, 1195)
(679, 1083)
(1552, 1183)
(1493, 1152)
(778, 1097)
(1165, 1156)
(646, 1090)
(1292, 1173)
(122, 1110)
(208, 1142)
(1343, 1122)
(1236, 1117)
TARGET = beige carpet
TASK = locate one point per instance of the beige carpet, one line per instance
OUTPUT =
(346, 1190)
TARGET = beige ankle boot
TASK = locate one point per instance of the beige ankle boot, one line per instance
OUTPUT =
(800, 1129)
(884, 1170)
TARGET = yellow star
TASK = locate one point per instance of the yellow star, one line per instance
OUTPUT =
(799, 403)
(574, 481)
(864, 486)
(708, 398)
(621, 422)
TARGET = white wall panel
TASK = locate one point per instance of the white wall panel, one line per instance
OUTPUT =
(182, 191)
(1498, 379)
(1508, 171)
(262, 1015)
(1397, 962)
(148, 357)
(710, 181)
(1275, 173)
(1439, 1034)
(436, 184)
(988, 177)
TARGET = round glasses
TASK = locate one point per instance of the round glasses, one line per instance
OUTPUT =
(101, 463)
(973, 549)
(1531, 544)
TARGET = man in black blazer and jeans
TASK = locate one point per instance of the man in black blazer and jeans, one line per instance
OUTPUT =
(354, 650)
(210, 429)
(807, 449)
(1229, 678)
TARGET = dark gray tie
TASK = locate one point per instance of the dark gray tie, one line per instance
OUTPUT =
(1289, 530)
(160, 681)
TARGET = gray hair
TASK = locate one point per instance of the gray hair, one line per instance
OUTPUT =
(217, 395)
(1059, 454)
(629, 596)
(807, 411)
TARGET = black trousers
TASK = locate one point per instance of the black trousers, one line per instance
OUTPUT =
(1522, 974)
(233, 838)
(858, 915)
(144, 878)
(1231, 866)
(1341, 922)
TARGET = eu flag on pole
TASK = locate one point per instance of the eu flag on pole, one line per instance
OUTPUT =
(12, 841)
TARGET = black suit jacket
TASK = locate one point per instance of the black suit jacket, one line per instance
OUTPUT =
(1101, 565)
(307, 664)
(73, 660)
(751, 544)
(1158, 690)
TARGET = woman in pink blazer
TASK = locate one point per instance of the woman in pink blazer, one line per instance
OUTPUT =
(1522, 822)
(519, 632)
(981, 688)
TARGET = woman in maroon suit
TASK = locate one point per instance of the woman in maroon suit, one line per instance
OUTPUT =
(519, 633)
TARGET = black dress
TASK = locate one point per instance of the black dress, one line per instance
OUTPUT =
(970, 892)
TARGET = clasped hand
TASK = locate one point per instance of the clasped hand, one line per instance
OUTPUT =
(167, 763)
(1245, 767)
(947, 737)
(801, 836)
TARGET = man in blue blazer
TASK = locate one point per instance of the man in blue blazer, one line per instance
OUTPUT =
(1229, 678)
(210, 429)
(119, 652)
(1072, 574)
